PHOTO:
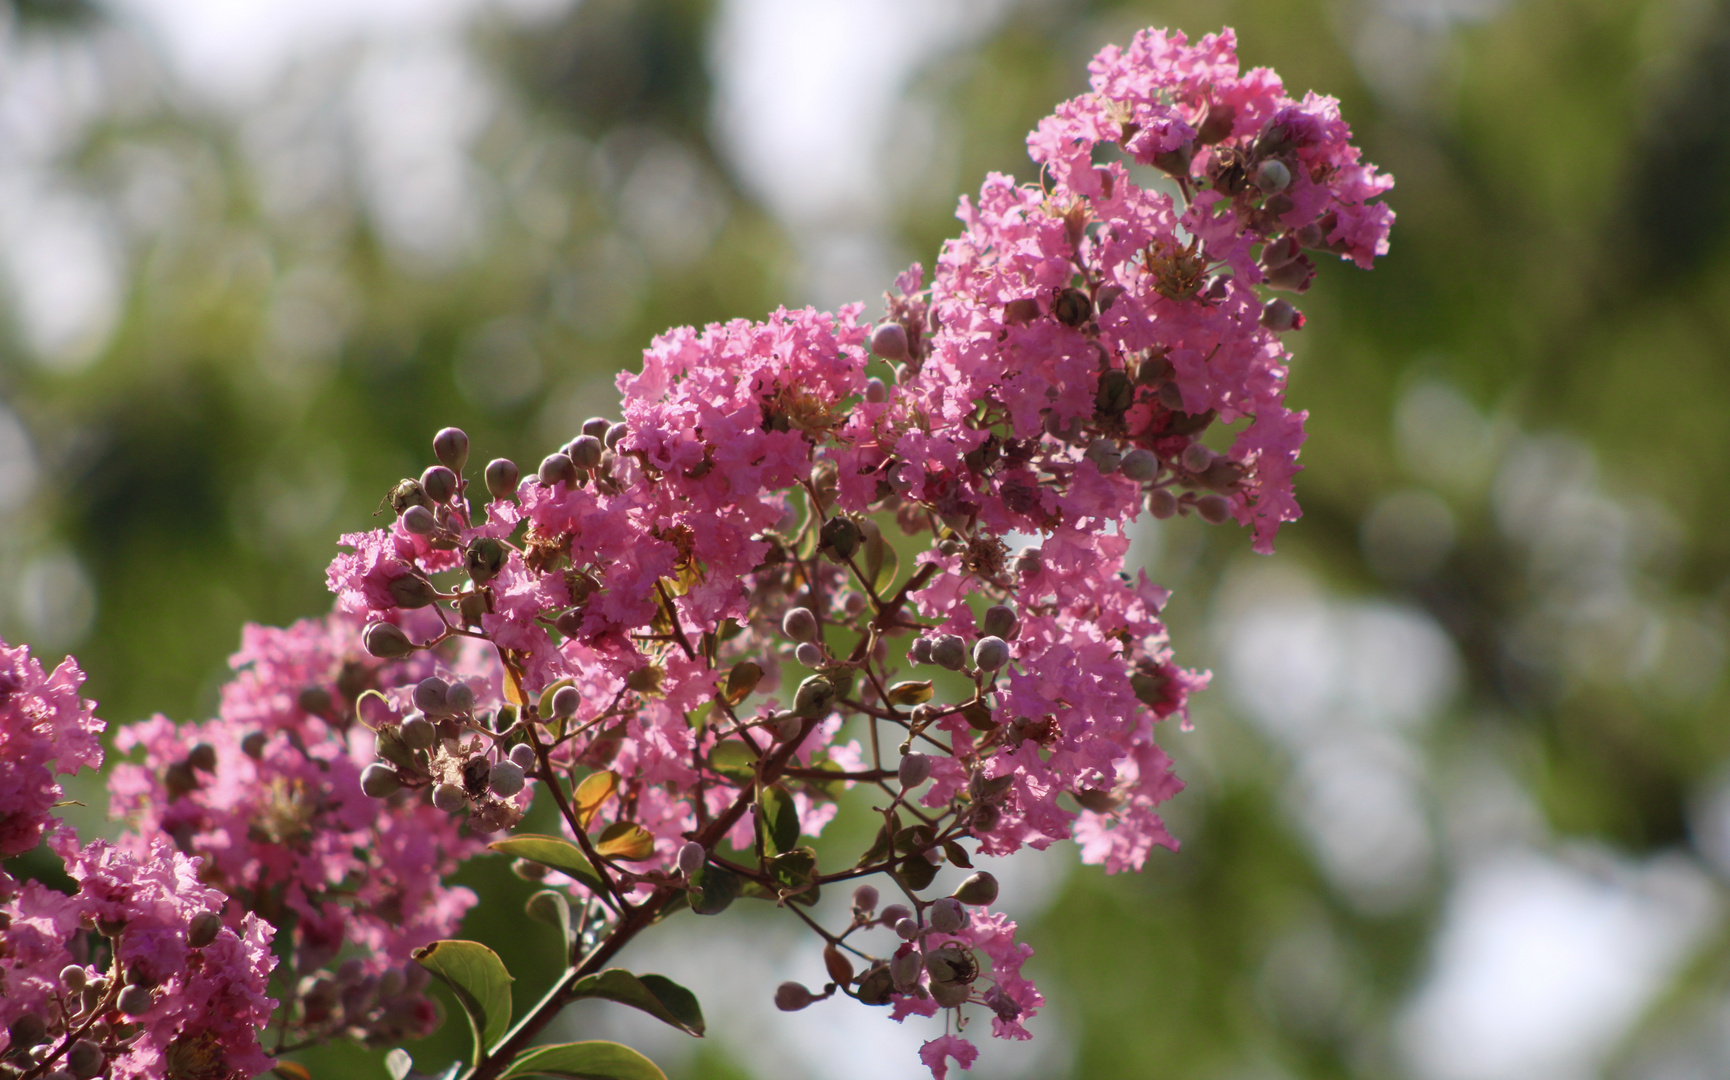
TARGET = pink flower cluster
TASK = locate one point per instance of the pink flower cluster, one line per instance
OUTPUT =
(45, 728)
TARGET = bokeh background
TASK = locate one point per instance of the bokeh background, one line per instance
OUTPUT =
(1459, 802)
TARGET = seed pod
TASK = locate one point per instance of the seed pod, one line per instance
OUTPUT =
(85, 1059)
(202, 929)
(792, 996)
(800, 624)
(865, 899)
(889, 340)
(1139, 465)
(28, 1030)
(449, 798)
(1213, 509)
(420, 521)
(915, 769)
(946, 915)
(979, 889)
(1072, 307)
(585, 451)
(386, 641)
(417, 732)
(840, 968)
(566, 701)
(814, 698)
(999, 621)
(136, 1001)
(893, 914)
(502, 478)
(876, 390)
(1279, 316)
(1217, 125)
(379, 780)
(523, 755)
(460, 699)
(950, 995)
(876, 985)
(920, 653)
(73, 977)
(990, 653)
(1115, 394)
(949, 651)
(476, 772)
(439, 483)
(1161, 503)
(429, 696)
(558, 469)
(411, 592)
(840, 536)
(951, 963)
(692, 857)
(202, 757)
(505, 779)
(906, 968)
(809, 654)
(483, 559)
(616, 435)
(1272, 177)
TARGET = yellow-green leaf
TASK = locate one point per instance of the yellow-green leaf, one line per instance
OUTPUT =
(625, 840)
(593, 793)
(910, 693)
(553, 851)
(595, 1060)
(741, 681)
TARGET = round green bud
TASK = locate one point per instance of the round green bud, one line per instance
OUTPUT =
(202, 929)
(905, 969)
(451, 447)
(449, 797)
(597, 426)
(907, 929)
(946, 915)
(1196, 458)
(949, 651)
(1161, 503)
(1108, 295)
(429, 696)
(28, 1030)
(502, 478)
(692, 857)
(999, 621)
(506, 779)
(386, 641)
(253, 744)
(460, 699)
(202, 757)
(616, 435)
(979, 889)
(483, 559)
(1272, 177)
(523, 756)
(915, 769)
(840, 536)
(74, 977)
(136, 1001)
(1279, 315)
(1072, 307)
(800, 624)
(315, 701)
(585, 451)
(1105, 456)
(814, 698)
(893, 914)
(566, 701)
(412, 592)
(876, 390)
(990, 653)
(920, 652)
(950, 995)
(865, 899)
(809, 653)
(1214, 509)
(85, 1059)
(1139, 465)
(420, 521)
(439, 483)
(379, 780)
(1027, 563)
(558, 469)
(889, 340)
(418, 733)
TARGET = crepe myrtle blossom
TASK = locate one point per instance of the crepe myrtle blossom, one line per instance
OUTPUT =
(784, 571)
(46, 728)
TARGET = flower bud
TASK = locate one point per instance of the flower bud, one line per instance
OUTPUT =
(202, 929)
(907, 929)
(429, 696)
(999, 621)
(254, 743)
(411, 592)
(379, 780)
(906, 968)
(990, 653)
(616, 435)
(523, 756)
(876, 390)
(800, 624)
(979, 889)
(864, 899)
(596, 426)
(506, 779)
(439, 483)
(451, 447)
(1213, 509)
(788, 727)
(1139, 465)
(460, 699)
(483, 559)
(950, 994)
(386, 641)
(85, 1059)
(202, 757)
(946, 916)
(1196, 457)
(792, 996)
(815, 697)
(28, 1030)
(1072, 307)
(893, 914)
(1294, 276)
(1027, 563)
(840, 536)
(585, 451)
(417, 732)
(1161, 503)
(889, 340)
(835, 962)
(1272, 176)
(692, 857)
(566, 701)
(920, 653)
(1279, 316)
(949, 651)
(73, 977)
(420, 521)
(558, 469)
(449, 798)
(809, 654)
(915, 769)
(502, 478)
(1104, 455)
(136, 1001)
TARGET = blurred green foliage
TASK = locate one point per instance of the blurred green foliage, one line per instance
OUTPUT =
(1560, 257)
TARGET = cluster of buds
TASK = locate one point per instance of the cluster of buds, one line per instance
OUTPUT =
(464, 758)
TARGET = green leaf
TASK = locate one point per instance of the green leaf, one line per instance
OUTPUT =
(553, 851)
(741, 680)
(916, 692)
(592, 794)
(625, 840)
(584, 1061)
(657, 995)
(398, 1063)
(957, 854)
(916, 872)
(480, 982)
(715, 887)
(550, 906)
(780, 818)
(734, 760)
(882, 562)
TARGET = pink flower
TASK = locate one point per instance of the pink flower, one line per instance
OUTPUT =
(937, 1053)
(45, 728)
